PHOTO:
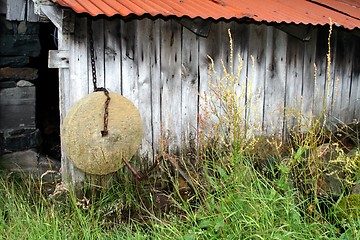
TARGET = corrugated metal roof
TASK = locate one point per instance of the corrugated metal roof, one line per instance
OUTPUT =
(344, 13)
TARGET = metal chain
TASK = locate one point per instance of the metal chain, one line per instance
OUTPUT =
(94, 80)
(92, 54)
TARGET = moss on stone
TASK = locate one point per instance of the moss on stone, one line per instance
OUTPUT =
(349, 207)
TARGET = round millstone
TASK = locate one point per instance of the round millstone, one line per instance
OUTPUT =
(81, 135)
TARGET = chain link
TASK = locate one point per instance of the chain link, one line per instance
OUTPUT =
(94, 80)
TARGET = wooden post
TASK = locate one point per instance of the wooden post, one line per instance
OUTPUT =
(73, 85)
(64, 22)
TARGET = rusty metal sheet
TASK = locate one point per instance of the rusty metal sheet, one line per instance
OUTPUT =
(345, 13)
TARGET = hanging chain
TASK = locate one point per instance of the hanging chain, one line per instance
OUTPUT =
(94, 80)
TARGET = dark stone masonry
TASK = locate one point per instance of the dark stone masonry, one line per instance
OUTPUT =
(27, 115)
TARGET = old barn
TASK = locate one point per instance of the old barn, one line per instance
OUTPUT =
(155, 53)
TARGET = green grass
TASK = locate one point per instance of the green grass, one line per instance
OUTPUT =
(234, 203)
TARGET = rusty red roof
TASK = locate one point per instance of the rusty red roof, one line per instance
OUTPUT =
(345, 13)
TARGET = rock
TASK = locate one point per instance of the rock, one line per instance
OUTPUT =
(17, 107)
(20, 45)
(24, 73)
(356, 189)
(29, 162)
(19, 139)
(24, 83)
(329, 184)
(7, 84)
(14, 61)
(348, 208)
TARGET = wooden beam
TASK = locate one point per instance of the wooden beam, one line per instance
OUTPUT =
(62, 19)
(31, 16)
(58, 59)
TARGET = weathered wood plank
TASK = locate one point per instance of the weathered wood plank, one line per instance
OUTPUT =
(112, 55)
(64, 43)
(274, 94)
(15, 10)
(189, 89)
(240, 35)
(61, 18)
(209, 47)
(129, 69)
(323, 84)
(308, 83)
(294, 82)
(30, 14)
(171, 84)
(342, 77)
(156, 86)
(129, 61)
(143, 48)
(331, 81)
(355, 84)
(256, 77)
(64, 40)
(79, 52)
(76, 88)
(58, 59)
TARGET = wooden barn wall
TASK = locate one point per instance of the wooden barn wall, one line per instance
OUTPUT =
(162, 66)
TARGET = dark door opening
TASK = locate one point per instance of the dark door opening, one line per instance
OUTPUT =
(47, 94)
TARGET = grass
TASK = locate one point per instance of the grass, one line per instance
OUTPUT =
(239, 204)
(239, 186)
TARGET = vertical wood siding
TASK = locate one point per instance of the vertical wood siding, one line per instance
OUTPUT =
(162, 66)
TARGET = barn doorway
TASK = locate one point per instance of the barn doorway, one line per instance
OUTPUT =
(47, 94)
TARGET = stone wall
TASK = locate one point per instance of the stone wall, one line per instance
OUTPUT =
(19, 43)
